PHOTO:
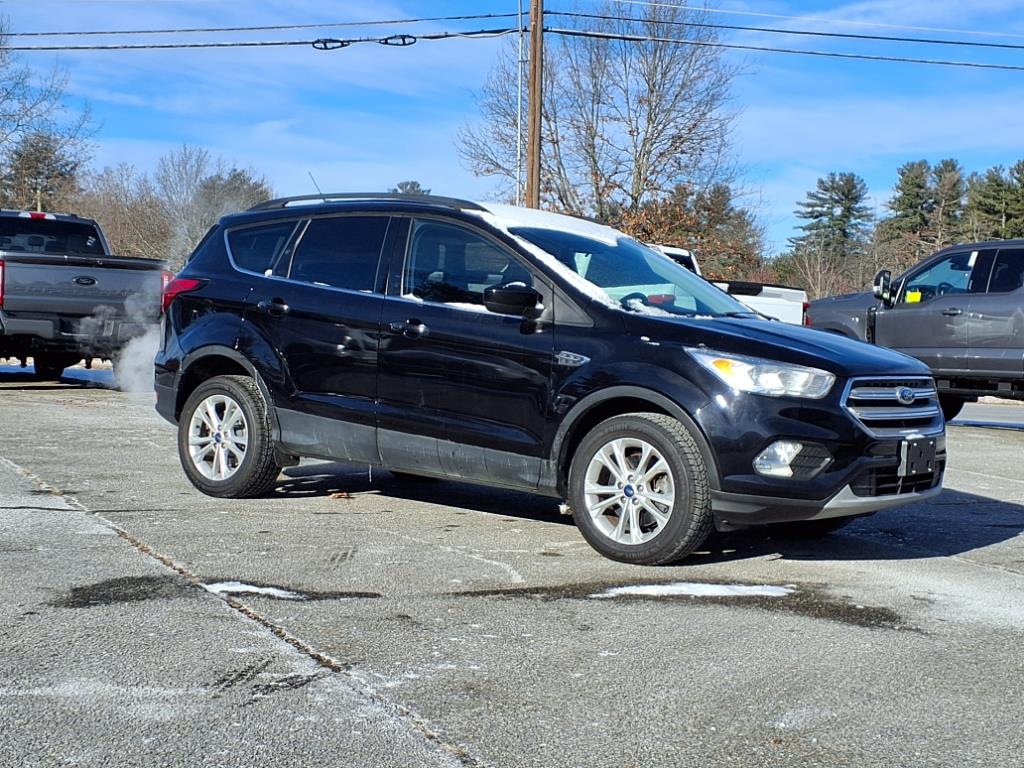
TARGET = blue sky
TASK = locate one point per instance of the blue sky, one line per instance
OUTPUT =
(368, 116)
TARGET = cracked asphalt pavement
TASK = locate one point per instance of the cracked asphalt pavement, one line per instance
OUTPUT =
(357, 620)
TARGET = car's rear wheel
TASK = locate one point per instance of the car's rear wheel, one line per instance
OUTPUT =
(50, 367)
(951, 406)
(224, 439)
(639, 489)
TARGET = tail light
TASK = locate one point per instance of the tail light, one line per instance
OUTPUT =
(175, 287)
(807, 318)
(1, 283)
(166, 276)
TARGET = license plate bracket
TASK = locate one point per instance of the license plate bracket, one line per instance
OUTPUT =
(917, 456)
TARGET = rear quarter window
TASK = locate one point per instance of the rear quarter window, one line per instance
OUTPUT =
(258, 248)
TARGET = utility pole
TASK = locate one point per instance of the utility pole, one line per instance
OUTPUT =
(536, 96)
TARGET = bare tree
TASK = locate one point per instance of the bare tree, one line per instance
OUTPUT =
(43, 143)
(196, 188)
(624, 121)
(128, 208)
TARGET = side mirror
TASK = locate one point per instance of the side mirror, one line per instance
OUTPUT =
(882, 287)
(511, 299)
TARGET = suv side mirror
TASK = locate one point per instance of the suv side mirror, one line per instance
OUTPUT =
(883, 287)
(511, 299)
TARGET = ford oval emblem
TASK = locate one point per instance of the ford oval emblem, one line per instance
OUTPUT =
(905, 395)
(85, 280)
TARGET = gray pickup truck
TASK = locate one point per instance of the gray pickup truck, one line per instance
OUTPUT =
(64, 297)
(961, 311)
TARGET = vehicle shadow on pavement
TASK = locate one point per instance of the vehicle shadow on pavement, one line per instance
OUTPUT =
(337, 478)
(953, 524)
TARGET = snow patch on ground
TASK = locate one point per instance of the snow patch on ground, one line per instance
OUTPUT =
(239, 588)
(695, 589)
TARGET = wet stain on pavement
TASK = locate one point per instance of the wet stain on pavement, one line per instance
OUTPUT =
(808, 601)
(126, 589)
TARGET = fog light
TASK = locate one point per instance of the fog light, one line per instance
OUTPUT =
(774, 460)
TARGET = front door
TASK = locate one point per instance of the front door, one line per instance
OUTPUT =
(321, 310)
(930, 317)
(462, 391)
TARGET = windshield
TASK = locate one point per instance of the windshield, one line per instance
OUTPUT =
(48, 236)
(638, 278)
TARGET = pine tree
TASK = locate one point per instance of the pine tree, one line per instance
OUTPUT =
(39, 170)
(989, 205)
(947, 191)
(838, 218)
(911, 202)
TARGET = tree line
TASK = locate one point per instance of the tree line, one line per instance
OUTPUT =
(841, 244)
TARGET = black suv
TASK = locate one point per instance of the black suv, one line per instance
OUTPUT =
(532, 351)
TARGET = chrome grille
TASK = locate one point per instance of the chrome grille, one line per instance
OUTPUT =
(876, 404)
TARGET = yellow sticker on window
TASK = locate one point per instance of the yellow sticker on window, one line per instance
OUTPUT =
(913, 297)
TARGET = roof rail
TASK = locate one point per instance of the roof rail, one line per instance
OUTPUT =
(331, 197)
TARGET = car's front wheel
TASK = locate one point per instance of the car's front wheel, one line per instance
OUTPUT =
(224, 439)
(639, 489)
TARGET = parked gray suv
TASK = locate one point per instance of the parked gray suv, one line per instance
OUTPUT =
(961, 311)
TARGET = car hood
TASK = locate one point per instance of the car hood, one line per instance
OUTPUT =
(778, 341)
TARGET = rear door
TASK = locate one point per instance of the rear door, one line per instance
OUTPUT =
(996, 319)
(463, 391)
(320, 306)
(930, 317)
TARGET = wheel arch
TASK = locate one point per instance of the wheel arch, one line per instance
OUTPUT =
(617, 401)
(217, 360)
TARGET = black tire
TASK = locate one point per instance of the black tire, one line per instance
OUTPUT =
(811, 529)
(951, 406)
(689, 519)
(256, 473)
(50, 367)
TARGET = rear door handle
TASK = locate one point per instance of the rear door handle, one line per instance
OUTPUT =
(273, 307)
(410, 328)
(952, 312)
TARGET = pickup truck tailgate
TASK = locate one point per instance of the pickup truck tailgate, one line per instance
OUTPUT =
(73, 285)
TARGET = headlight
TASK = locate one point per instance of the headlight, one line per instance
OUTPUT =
(766, 377)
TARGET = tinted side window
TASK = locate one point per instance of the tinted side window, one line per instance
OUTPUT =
(340, 252)
(258, 248)
(950, 274)
(447, 263)
(1007, 271)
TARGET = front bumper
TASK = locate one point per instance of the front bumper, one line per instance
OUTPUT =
(734, 511)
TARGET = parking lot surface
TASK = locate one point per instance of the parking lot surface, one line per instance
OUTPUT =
(352, 619)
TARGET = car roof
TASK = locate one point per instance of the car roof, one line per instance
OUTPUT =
(499, 214)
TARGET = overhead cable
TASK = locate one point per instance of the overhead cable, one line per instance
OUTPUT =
(767, 49)
(824, 20)
(321, 43)
(264, 28)
(775, 30)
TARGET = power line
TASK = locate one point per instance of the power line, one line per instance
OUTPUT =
(808, 33)
(826, 20)
(321, 43)
(266, 28)
(794, 51)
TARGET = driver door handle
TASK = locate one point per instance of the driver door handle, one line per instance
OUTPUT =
(952, 312)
